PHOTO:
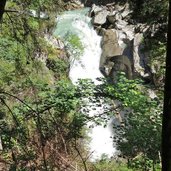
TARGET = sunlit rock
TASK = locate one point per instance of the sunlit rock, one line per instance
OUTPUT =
(138, 56)
(94, 10)
(100, 17)
(109, 44)
(119, 24)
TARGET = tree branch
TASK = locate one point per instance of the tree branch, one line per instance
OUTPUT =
(2, 7)
(7, 10)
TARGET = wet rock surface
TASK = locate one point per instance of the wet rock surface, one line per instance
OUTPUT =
(121, 36)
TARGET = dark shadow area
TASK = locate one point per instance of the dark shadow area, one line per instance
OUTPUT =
(88, 3)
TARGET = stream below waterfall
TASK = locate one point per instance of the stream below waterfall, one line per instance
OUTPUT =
(86, 66)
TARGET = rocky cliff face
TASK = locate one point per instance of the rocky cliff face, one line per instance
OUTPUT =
(121, 36)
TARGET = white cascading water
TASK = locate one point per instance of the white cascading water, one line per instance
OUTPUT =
(87, 66)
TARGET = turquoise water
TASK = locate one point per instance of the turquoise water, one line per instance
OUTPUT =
(65, 21)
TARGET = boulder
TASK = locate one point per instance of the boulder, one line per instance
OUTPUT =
(125, 13)
(139, 58)
(121, 37)
(119, 8)
(94, 10)
(100, 17)
(151, 94)
(129, 31)
(110, 47)
(111, 18)
(121, 63)
(120, 24)
(118, 16)
(74, 4)
(109, 44)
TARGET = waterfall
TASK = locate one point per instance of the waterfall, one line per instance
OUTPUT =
(87, 66)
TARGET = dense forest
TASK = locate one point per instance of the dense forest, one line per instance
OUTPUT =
(43, 115)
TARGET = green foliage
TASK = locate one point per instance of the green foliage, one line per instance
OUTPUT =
(6, 73)
(48, 112)
(158, 51)
(74, 44)
(157, 57)
(52, 113)
(22, 43)
(14, 53)
(142, 131)
(140, 136)
(86, 88)
(106, 164)
(150, 11)
(58, 66)
(142, 163)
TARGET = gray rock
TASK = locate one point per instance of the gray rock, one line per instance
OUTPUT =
(95, 9)
(119, 8)
(111, 18)
(125, 33)
(129, 31)
(118, 16)
(141, 28)
(114, 17)
(121, 63)
(126, 11)
(110, 46)
(119, 24)
(100, 17)
(36, 14)
(55, 42)
(123, 38)
(138, 56)
(151, 94)
(124, 14)
(76, 2)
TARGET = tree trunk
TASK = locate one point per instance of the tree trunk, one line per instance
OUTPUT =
(2, 7)
(166, 129)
